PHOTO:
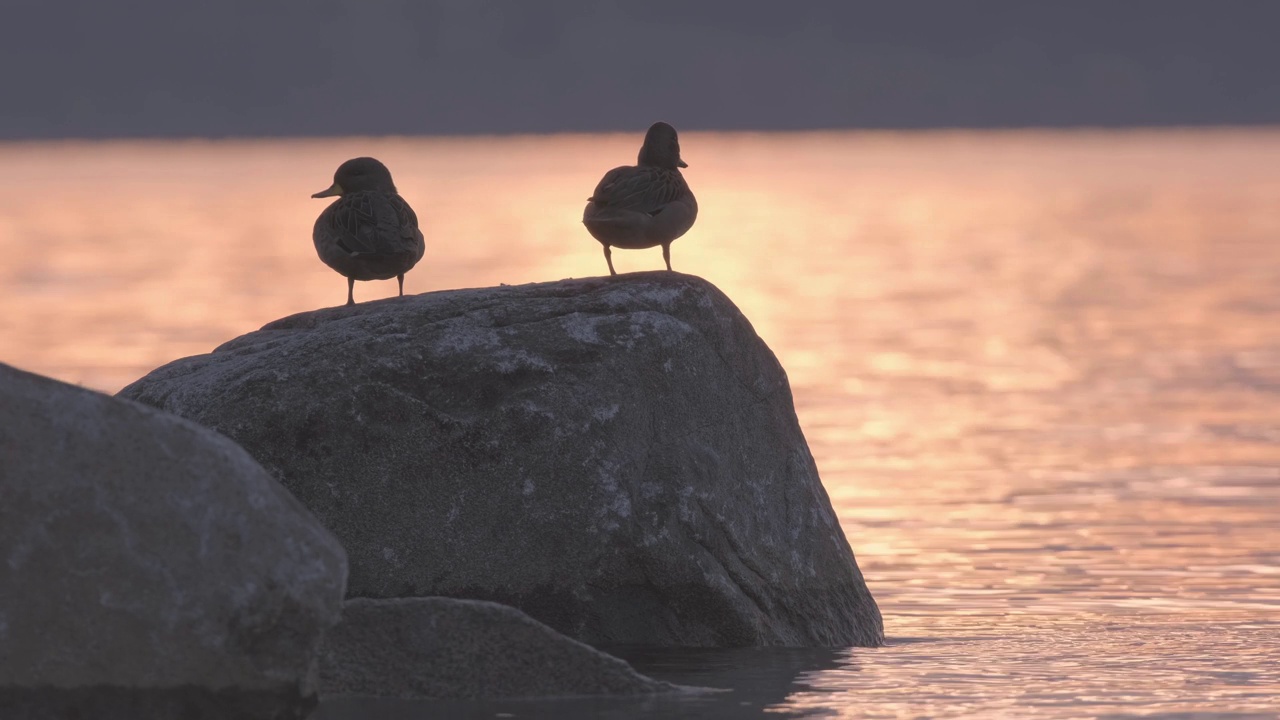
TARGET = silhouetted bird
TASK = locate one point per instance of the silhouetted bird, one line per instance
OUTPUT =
(646, 204)
(369, 232)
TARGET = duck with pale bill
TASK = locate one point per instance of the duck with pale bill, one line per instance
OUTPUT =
(369, 232)
(646, 204)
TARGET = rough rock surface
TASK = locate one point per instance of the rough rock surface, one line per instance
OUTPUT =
(617, 457)
(149, 567)
(445, 648)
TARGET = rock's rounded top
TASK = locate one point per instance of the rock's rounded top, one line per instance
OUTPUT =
(473, 322)
(658, 290)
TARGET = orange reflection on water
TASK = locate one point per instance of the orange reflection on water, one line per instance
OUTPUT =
(1038, 370)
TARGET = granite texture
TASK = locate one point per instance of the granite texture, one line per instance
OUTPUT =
(619, 458)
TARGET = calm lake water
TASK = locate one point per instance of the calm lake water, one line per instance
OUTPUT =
(1040, 373)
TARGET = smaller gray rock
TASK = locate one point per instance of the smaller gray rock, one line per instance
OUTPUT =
(464, 649)
(149, 568)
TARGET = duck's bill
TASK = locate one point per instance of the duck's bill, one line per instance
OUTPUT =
(334, 189)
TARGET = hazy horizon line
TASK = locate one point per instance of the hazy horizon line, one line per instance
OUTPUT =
(885, 129)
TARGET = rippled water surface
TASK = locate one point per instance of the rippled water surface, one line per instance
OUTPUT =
(1040, 373)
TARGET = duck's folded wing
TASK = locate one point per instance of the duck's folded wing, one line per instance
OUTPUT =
(639, 189)
(368, 223)
(407, 219)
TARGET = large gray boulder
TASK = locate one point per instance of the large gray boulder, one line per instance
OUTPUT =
(464, 649)
(617, 457)
(149, 568)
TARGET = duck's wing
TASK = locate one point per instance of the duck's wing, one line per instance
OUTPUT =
(639, 189)
(411, 239)
(369, 223)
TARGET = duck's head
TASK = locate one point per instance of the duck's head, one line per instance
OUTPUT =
(661, 148)
(358, 174)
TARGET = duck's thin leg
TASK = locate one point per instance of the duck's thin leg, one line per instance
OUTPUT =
(351, 286)
(666, 254)
(400, 278)
(608, 257)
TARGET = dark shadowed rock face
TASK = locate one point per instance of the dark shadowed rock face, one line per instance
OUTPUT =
(445, 648)
(149, 567)
(619, 458)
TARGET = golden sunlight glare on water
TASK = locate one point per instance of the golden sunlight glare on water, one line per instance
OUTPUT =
(1038, 370)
